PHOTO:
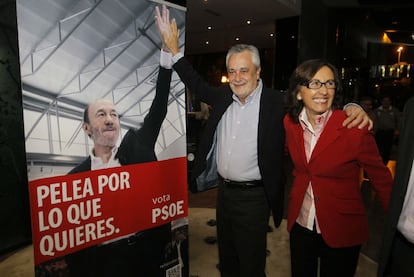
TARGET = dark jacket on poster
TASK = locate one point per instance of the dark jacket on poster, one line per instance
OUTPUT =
(271, 135)
(137, 146)
(402, 175)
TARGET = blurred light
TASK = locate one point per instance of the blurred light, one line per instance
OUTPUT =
(385, 38)
(399, 50)
(224, 79)
(382, 71)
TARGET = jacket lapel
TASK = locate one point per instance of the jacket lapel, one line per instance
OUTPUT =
(299, 141)
(330, 133)
(264, 114)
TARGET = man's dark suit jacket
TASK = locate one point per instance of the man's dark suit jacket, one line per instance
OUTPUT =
(402, 175)
(137, 146)
(271, 134)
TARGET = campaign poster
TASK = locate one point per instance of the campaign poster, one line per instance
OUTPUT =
(100, 206)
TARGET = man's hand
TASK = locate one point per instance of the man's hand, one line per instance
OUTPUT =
(357, 116)
(162, 21)
(170, 40)
(168, 30)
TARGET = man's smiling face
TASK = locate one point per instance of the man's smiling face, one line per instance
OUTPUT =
(243, 74)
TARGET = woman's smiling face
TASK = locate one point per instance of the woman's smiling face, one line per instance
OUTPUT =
(318, 100)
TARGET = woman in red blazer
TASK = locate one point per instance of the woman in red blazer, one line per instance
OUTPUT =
(326, 217)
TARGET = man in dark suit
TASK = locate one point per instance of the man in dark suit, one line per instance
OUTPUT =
(252, 184)
(397, 253)
(142, 253)
(241, 151)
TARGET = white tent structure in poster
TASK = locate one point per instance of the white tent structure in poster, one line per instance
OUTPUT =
(75, 51)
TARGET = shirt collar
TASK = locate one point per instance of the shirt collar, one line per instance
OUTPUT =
(96, 162)
(320, 120)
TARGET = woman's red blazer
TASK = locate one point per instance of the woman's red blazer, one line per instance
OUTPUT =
(333, 170)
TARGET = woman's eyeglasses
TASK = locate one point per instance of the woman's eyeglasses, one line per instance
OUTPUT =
(315, 84)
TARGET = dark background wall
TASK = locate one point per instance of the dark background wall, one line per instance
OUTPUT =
(15, 228)
(286, 50)
(352, 39)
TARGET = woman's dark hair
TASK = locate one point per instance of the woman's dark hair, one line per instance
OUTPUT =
(303, 74)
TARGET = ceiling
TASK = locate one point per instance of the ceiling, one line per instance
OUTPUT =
(228, 21)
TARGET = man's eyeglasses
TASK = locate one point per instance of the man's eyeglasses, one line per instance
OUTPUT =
(315, 84)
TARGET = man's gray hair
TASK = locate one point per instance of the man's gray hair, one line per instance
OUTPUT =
(238, 48)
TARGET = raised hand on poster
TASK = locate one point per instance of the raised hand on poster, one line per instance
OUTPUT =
(162, 21)
(169, 31)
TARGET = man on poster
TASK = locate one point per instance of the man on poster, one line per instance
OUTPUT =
(136, 254)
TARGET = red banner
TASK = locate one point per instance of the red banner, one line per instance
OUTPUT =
(76, 211)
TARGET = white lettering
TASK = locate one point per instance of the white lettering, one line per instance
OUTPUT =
(113, 182)
(58, 192)
(42, 193)
(61, 241)
(161, 199)
(54, 219)
(167, 211)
